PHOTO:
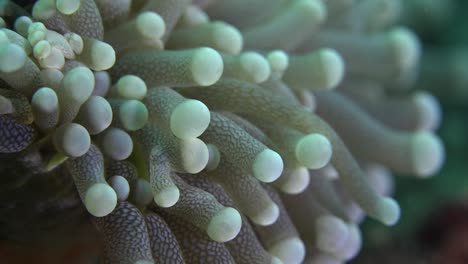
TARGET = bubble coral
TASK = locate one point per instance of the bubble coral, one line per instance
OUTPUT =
(211, 131)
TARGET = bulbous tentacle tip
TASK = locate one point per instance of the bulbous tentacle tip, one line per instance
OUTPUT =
(195, 155)
(207, 66)
(167, 197)
(133, 115)
(332, 233)
(316, 8)
(389, 211)
(72, 140)
(225, 225)
(120, 186)
(430, 109)
(228, 38)
(291, 250)
(297, 181)
(68, 7)
(314, 151)
(406, 47)
(151, 25)
(100, 55)
(190, 119)
(12, 57)
(100, 200)
(279, 61)
(353, 244)
(117, 144)
(256, 66)
(428, 154)
(268, 166)
(131, 87)
(333, 68)
(267, 216)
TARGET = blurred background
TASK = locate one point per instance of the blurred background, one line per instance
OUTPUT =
(434, 223)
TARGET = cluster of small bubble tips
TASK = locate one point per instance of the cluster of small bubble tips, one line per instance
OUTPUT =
(211, 131)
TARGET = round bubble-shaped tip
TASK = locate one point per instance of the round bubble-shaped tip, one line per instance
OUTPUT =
(131, 87)
(42, 49)
(316, 9)
(255, 66)
(291, 250)
(406, 47)
(45, 99)
(313, 151)
(117, 144)
(78, 84)
(102, 56)
(12, 57)
(36, 36)
(207, 66)
(278, 60)
(167, 197)
(225, 225)
(75, 41)
(267, 166)
(227, 38)
(37, 27)
(332, 68)
(43, 10)
(389, 211)
(133, 115)
(100, 200)
(267, 215)
(332, 233)
(190, 119)
(193, 16)
(195, 155)
(22, 24)
(353, 244)
(96, 114)
(120, 186)
(72, 139)
(430, 110)
(297, 181)
(151, 25)
(67, 7)
(427, 153)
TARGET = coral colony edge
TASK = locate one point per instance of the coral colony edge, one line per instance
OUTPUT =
(209, 131)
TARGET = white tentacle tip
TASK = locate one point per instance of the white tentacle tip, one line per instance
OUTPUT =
(167, 197)
(100, 200)
(225, 225)
(267, 166)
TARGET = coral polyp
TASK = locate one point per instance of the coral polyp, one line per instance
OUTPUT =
(212, 131)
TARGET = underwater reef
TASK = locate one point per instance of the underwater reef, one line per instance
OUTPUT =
(209, 131)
